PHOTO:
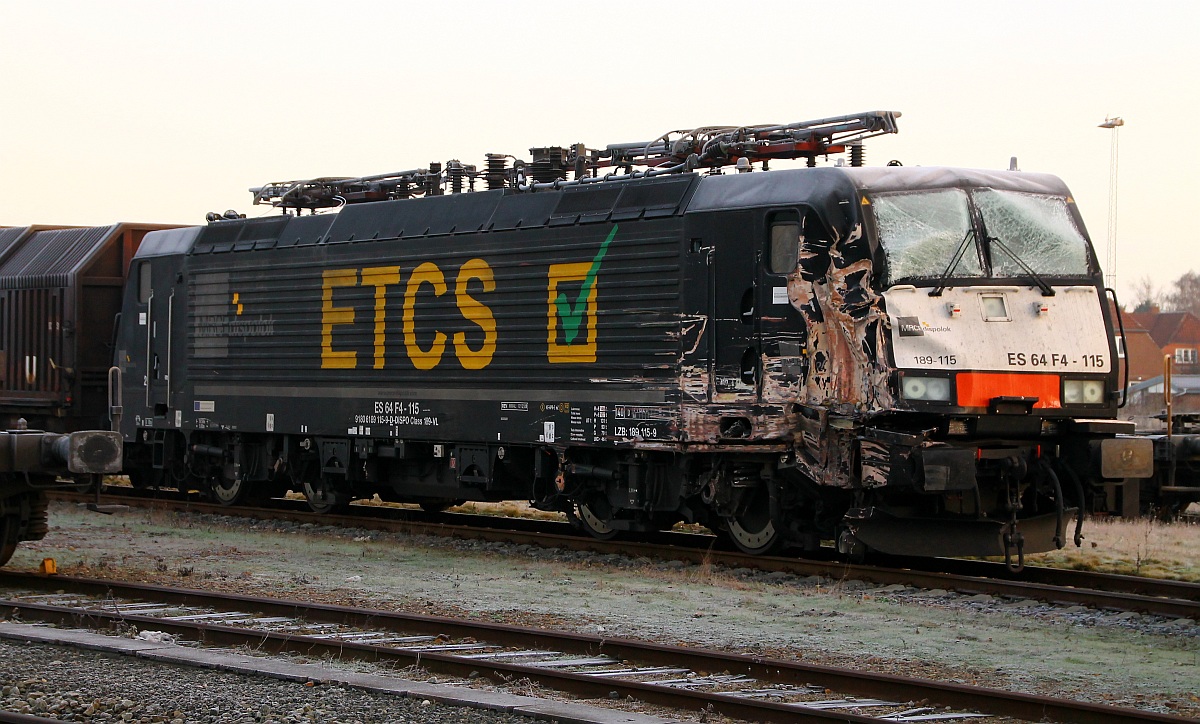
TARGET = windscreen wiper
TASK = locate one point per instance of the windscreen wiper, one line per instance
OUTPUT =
(958, 255)
(1046, 290)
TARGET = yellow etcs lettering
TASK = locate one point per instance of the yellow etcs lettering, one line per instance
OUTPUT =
(384, 278)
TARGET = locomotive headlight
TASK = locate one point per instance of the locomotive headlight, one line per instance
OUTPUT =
(928, 389)
(1083, 392)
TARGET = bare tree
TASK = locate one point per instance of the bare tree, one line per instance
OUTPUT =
(1184, 295)
(1145, 296)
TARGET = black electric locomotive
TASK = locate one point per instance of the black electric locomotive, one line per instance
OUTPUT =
(911, 360)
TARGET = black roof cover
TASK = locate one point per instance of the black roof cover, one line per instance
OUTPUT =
(9, 237)
(816, 186)
(881, 179)
(835, 190)
(50, 258)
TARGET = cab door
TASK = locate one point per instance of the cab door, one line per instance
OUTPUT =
(733, 308)
(782, 332)
(156, 295)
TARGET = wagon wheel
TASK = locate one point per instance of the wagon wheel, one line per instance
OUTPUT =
(8, 537)
(752, 529)
(322, 496)
(594, 519)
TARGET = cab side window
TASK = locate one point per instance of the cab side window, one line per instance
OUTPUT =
(784, 244)
(145, 289)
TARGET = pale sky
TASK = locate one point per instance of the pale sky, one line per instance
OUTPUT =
(162, 111)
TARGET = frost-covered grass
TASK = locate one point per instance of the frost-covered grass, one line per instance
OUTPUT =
(1140, 547)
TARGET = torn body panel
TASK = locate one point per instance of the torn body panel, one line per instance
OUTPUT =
(847, 326)
(847, 376)
(726, 423)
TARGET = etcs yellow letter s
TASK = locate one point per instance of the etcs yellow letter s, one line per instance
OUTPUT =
(381, 278)
(473, 311)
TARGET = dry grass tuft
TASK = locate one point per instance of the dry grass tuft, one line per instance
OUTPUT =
(1139, 547)
(512, 508)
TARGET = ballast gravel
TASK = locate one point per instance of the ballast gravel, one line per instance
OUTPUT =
(73, 685)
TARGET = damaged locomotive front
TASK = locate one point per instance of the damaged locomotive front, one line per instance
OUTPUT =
(959, 387)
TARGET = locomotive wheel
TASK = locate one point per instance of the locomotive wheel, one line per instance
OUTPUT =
(321, 496)
(596, 526)
(753, 531)
(225, 491)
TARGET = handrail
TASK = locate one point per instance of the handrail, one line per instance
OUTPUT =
(115, 408)
(149, 345)
(1121, 326)
(170, 339)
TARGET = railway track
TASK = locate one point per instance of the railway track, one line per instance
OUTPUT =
(1171, 599)
(685, 679)
(8, 717)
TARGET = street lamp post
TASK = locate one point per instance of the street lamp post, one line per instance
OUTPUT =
(1110, 264)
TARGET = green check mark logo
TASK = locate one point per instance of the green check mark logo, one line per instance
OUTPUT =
(572, 315)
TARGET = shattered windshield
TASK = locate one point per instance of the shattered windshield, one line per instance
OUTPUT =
(922, 232)
(1036, 228)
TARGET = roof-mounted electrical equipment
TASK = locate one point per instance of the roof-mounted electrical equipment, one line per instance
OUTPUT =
(708, 147)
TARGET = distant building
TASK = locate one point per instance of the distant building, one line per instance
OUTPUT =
(1176, 333)
(1138, 350)
(1146, 400)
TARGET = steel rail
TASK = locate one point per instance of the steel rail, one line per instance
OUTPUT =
(1174, 599)
(859, 683)
(1112, 582)
(578, 684)
(10, 717)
